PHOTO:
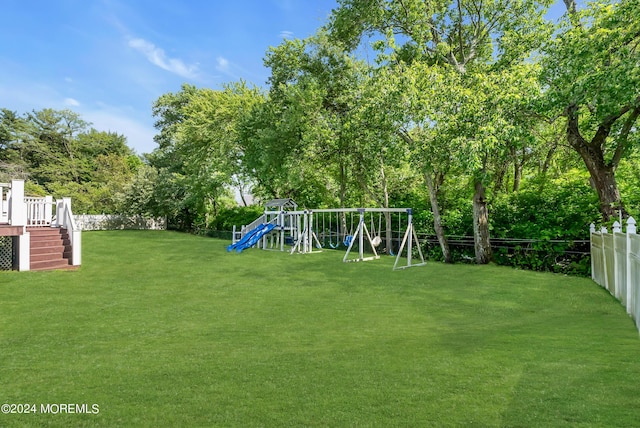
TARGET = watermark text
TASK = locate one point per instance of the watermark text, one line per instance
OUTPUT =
(50, 408)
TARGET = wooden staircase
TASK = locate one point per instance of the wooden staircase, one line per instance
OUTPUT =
(50, 248)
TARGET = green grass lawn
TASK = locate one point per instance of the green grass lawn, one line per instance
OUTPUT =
(167, 329)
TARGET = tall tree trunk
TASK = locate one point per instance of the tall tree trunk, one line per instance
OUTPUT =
(342, 226)
(500, 173)
(214, 201)
(482, 242)
(385, 204)
(437, 221)
(241, 193)
(602, 172)
(547, 160)
(604, 181)
(517, 176)
(388, 233)
(518, 165)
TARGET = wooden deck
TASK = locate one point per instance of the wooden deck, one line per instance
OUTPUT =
(7, 230)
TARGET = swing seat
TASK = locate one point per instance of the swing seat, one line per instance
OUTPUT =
(376, 241)
(347, 240)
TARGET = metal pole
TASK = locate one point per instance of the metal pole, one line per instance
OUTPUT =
(361, 234)
(410, 229)
(282, 225)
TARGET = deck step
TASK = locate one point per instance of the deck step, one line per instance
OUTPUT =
(51, 265)
(50, 248)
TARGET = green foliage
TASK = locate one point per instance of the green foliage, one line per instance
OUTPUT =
(548, 219)
(456, 33)
(235, 216)
(87, 198)
(199, 152)
(309, 141)
(58, 154)
(563, 208)
(592, 62)
(590, 71)
(31, 188)
(629, 178)
(138, 195)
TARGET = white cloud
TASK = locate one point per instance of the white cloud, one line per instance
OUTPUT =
(139, 135)
(157, 56)
(71, 102)
(22, 95)
(285, 5)
(231, 69)
(285, 34)
(222, 64)
(26, 97)
(136, 126)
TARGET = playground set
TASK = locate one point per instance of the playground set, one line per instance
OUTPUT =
(283, 227)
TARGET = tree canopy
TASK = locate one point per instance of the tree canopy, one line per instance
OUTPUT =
(465, 100)
(59, 153)
(476, 113)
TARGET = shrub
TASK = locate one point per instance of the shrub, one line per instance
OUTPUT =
(563, 209)
(555, 218)
(236, 216)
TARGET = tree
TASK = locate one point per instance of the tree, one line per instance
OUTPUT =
(471, 37)
(303, 127)
(199, 153)
(208, 139)
(379, 151)
(58, 153)
(275, 153)
(591, 71)
(13, 131)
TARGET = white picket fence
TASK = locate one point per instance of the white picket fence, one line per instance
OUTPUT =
(117, 221)
(615, 264)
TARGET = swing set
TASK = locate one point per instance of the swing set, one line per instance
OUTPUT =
(364, 238)
(341, 234)
(309, 231)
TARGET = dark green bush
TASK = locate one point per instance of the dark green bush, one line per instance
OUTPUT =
(236, 216)
(555, 218)
(562, 209)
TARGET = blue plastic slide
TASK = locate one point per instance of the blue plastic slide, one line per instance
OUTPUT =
(251, 238)
(246, 238)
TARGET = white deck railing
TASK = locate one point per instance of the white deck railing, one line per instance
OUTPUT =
(34, 211)
(64, 218)
(20, 212)
(5, 194)
(38, 210)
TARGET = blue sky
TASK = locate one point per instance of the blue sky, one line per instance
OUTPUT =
(109, 60)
